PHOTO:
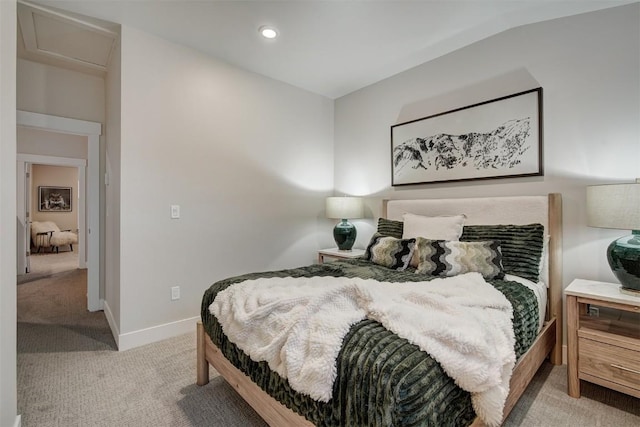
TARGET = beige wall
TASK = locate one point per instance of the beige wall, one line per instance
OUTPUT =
(56, 91)
(248, 159)
(588, 66)
(8, 391)
(40, 142)
(55, 176)
(111, 234)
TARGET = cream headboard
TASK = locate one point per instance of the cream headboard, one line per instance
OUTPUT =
(546, 210)
(490, 210)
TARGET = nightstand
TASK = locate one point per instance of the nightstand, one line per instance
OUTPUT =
(603, 348)
(337, 253)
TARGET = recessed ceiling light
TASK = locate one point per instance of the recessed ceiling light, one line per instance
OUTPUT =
(268, 32)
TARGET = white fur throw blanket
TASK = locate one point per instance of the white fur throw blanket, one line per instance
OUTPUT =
(297, 326)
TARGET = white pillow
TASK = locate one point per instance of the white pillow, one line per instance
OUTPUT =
(433, 227)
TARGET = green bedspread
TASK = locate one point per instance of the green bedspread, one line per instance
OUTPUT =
(383, 380)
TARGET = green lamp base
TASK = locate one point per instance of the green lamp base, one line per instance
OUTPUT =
(344, 233)
(624, 259)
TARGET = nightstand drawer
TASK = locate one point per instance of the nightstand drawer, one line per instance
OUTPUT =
(609, 362)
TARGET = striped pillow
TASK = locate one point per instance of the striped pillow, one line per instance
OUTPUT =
(521, 246)
(389, 227)
(390, 252)
(450, 258)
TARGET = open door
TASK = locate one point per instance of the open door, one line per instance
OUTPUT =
(23, 214)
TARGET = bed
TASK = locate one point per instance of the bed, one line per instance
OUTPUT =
(360, 395)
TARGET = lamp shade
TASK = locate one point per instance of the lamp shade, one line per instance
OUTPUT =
(614, 206)
(344, 207)
(618, 206)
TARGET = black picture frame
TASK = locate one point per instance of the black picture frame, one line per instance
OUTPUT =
(54, 199)
(499, 138)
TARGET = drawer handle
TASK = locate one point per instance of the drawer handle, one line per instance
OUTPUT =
(625, 369)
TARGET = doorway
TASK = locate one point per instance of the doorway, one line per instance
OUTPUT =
(48, 254)
(88, 190)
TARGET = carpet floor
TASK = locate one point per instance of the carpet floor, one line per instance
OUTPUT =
(70, 374)
(46, 264)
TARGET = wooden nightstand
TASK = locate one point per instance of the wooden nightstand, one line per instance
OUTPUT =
(603, 349)
(337, 253)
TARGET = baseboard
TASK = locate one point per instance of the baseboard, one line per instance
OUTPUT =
(156, 333)
(112, 322)
(18, 422)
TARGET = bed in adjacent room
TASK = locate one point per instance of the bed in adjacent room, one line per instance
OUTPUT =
(444, 321)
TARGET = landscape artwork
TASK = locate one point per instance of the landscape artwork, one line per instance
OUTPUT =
(499, 138)
(54, 199)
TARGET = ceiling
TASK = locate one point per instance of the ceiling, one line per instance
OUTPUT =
(327, 47)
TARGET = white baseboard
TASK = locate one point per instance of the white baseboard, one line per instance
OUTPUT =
(156, 333)
(18, 422)
(112, 322)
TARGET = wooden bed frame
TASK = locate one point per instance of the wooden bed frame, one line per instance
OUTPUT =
(548, 343)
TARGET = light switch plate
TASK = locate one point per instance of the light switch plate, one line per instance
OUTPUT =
(175, 211)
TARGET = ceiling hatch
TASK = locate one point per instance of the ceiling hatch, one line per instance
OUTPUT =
(64, 38)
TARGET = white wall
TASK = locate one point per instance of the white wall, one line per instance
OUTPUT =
(56, 91)
(248, 159)
(45, 143)
(589, 68)
(8, 393)
(111, 239)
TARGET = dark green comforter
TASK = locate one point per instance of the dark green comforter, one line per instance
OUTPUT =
(382, 379)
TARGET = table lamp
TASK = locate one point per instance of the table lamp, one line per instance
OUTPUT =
(344, 208)
(618, 206)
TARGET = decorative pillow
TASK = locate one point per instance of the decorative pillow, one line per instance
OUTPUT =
(432, 228)
(389, 251)
(521, 246)
(450, 258)
(389, 227)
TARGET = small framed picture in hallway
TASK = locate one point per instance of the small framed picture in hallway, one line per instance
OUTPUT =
(54, 199)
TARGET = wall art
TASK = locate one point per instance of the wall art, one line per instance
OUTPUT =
(500, 138)
(54, 199)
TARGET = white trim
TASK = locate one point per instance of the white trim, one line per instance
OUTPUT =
(112, 321)
(92, 131)
(564, 354)
(156, 333)
(35, 159)
(46, 160)
(18, 422)
(57, 124)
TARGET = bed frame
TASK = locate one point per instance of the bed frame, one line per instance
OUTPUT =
(496, 210)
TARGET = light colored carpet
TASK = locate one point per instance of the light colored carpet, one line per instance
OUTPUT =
(69, 374)
(46, 264)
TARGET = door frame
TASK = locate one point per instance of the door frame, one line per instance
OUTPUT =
(92, 130)
(81, 165)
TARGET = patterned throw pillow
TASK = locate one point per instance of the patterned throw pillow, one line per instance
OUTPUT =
(390, 252)
(432, 228)
(450, 258)
(389, 227)
(521, 246)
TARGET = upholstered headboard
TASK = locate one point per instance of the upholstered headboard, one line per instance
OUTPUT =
(521, 210)
(490, 210)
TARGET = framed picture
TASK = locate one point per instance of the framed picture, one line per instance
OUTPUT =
(54, 199)
(500, 138)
